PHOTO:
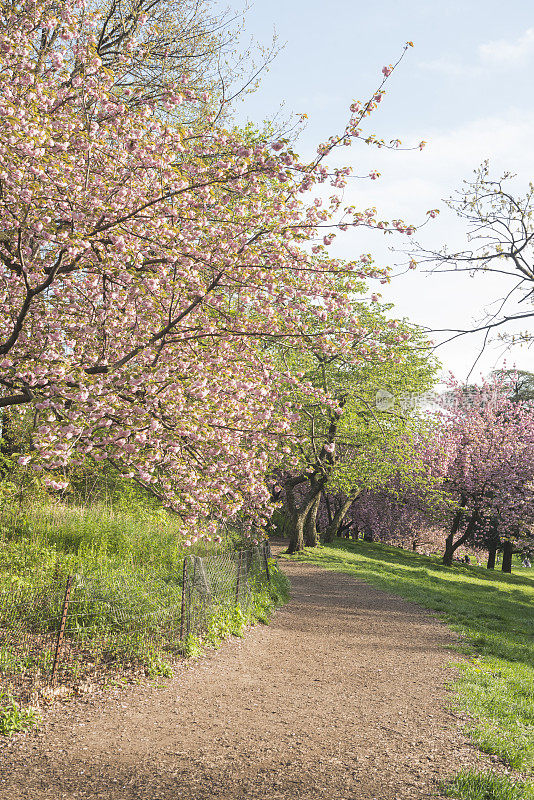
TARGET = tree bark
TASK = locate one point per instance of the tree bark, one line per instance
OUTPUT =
(328, 507)
(310, 523)
(449, 541)
(339, 516)
(298, 514)
(507, 552)
(449, 550)
(493, 542)
(492, 552)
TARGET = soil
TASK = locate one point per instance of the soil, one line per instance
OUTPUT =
(341, 696)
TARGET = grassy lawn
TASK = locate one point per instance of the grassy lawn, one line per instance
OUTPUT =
(494, 613)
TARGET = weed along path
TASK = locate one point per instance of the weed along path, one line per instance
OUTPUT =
(341, 696)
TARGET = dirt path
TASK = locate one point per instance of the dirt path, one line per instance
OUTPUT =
(340, 697)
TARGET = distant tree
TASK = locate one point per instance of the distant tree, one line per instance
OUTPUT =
(521, 383)
(501, 241)
(363, 437)
(487, 441)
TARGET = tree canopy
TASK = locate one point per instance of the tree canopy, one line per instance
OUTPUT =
(143, 260)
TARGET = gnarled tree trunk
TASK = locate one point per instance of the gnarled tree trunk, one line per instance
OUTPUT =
(450, 545)
(507, 553)
(339, 516)
(298, 514)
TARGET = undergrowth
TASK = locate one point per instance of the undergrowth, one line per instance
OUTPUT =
(126, 596)
(42, 541)
(15, 717)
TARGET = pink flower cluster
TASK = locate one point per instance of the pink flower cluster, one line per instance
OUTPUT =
(141, 264)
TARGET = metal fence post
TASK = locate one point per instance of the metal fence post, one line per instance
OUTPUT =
(239, 562)
(192, 584)
(61, 631)
(184, 582)
(266, 561)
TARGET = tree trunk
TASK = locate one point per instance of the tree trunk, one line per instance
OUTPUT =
(368, 535)
(310, 523)
(451, 545)
(449, 550)
(507, 552)
(298, 515)
(328, 507)
(492, 552)
(449, 541)
(339, 516)
(296, 539)
(493, 542)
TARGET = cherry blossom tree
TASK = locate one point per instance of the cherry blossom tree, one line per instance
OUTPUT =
(478, 458)
(142, 262)
(487, 442)
(149, 44)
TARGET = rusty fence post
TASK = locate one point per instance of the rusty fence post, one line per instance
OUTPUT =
(183, 611)
(239, 562)
(61, 632)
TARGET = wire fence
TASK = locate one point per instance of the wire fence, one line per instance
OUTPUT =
(82, 629)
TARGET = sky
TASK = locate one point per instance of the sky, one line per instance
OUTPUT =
(464, 88)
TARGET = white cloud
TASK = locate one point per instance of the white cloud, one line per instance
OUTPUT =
(414, 182)
(450, 66)
(505, 53)
(497, 55)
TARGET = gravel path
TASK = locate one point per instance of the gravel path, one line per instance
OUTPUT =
(340, 697)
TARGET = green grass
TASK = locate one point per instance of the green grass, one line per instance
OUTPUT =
(494, 613)
(126, 596)
(469, 785)
(42, 540)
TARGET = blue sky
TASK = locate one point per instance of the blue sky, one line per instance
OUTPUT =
(465, 88)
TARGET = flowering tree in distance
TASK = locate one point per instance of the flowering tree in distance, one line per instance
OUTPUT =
(488, 442)
(141, 262)
(478, 456)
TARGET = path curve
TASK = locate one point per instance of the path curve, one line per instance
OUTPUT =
(341, 696)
